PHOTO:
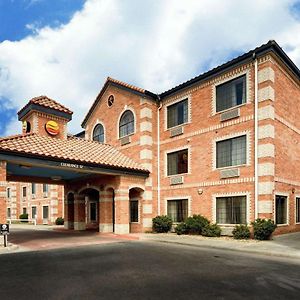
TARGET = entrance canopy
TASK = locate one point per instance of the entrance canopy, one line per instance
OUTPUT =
(35, 158)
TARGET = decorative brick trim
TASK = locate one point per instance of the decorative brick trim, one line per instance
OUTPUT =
(287, 124)
(266, 112)
(266, 150)
(266, 131)
(266, 74)
(266, 93)
(146, 126)
(266, 169)
(265, 207)
(146, 113)
(287, 181)
(146, 140)
(146, 154)
(227, 137)
(209, 129)
(147, 208)
(265, 188)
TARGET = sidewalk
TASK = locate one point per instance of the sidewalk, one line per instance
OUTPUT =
(287, 245)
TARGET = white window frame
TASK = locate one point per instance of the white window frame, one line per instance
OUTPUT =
(35, 209)
(237, 194)
(228, 137)
(227, 79)
(8, 189)
(296, 196)
(186, 147)
(93, 128)
(189, 98)
(287, 195)
(48, 211)
(183, 197)
(119, 119)
(22, 188)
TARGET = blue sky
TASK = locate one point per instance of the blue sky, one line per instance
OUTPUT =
(66, 48)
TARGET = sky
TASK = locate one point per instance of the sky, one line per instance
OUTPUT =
(65, 49)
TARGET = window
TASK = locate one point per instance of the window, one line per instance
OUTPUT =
(24, 191)
(24, 210)
(134, 211)
(8, 212)
(177, 162)
(8, 193)
(126, 125)
(33, 188)
(45, 188)
(177, 210)
(297, 210)
(177, 113)
(281, 209)
(45, 212)
(231, 210)
(110, 100)
(231, 93)
(231, 152)
(98, 133)
(33, 212)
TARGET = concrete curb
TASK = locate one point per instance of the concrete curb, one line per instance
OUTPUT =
(197, 243)
(10, 248)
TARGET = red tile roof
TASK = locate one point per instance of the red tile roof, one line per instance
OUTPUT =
(71, 149)
(47, 102)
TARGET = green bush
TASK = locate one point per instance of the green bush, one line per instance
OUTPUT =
(195, 224)
(181, 228)
(59, 221)
(161, 224)
(263, 229)
(211, 230)
(23, 217)
(241, 232)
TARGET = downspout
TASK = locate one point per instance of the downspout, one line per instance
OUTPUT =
(255, 136)
(158, 155)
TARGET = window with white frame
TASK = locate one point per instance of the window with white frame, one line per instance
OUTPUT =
(231, 210)
(281, 209)
(134, 211)
(177, 113)
(98, 133)
(8, 212)
(33, 188)
(24, 191)
(297, 210)
(126, 125)
(33, 212)
(231, 93)
(177, 162)
(8, 193)
(45, 188)
(177, 209)
(231, 152)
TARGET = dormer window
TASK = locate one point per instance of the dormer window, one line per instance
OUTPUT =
(98, 133)
(126, 125)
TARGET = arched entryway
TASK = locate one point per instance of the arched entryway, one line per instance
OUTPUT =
(135, 209)
(91, 199)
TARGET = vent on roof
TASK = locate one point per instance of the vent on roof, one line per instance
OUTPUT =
(234, 113)
(228, 173)
(125, 140)
(176, 180)
(176, 131)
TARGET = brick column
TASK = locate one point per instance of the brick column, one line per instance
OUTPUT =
(266, 134)
(69, 211)
(122, 210)
(79, 212)
(106, 211)
(2, 192)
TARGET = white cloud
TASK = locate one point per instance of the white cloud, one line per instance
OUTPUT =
(153, 44)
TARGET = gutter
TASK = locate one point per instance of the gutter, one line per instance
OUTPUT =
(255, 136)
(158, 154)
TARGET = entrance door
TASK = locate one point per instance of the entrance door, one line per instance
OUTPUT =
(33, 212)
(93, 212)
(45, 214)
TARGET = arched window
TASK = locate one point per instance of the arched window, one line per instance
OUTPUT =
(126, 125)
(98, 133)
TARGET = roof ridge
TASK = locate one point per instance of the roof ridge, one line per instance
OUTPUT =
(15, 136)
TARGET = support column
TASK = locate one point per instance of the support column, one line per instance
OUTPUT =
(106, 211)
(2, 192)
(122, 211)
(69, 211)
(79, 212)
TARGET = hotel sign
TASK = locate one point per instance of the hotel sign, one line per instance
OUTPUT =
(72, 166)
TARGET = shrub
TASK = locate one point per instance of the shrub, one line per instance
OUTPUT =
(211, 230)
(241, 232)
(263, 229)
(161, 224)
(181, 228)
(195, 224)
(23, 217)
(59, 221)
